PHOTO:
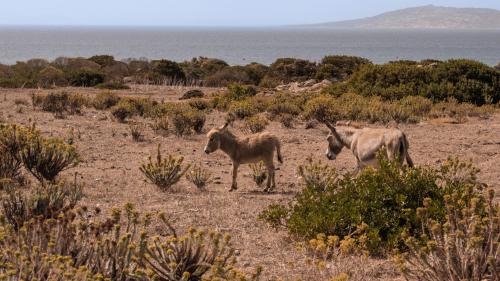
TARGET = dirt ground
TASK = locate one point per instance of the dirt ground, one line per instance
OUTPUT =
(111, 159)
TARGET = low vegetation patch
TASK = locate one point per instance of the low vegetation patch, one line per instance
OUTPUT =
(164, 172)
(386, 200)
(199, 177)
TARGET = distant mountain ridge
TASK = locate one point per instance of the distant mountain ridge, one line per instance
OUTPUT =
(425, 17)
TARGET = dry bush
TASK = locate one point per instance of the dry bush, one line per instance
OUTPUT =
(259, 173)
(199, 104)
(10, 166)
(45, 202)
(185, 120)
(122, 111)
(286, 120)
(463, 247)
(256, 124)
(335, 259)
(137, 131)
(199, 176)
(60, 103)
(160, 126)
(105, 100)
(164, 172)
(43, 157)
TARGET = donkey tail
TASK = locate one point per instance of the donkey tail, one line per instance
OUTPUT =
(278, 150)
(404, 151)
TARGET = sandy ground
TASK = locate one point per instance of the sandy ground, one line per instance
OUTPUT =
(111, 160)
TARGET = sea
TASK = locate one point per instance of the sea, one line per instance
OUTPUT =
(239, 46)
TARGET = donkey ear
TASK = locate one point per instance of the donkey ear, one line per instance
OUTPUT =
(331, 127)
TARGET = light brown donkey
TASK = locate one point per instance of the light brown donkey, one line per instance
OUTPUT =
(245, 150)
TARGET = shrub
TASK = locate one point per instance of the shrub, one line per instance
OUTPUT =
(169, 69)
(464, 80)
(44, 202)
(123, 110)
(228, 75)
(259, 173)
(136, 130)
(50, 76)
(102, 60)
(10, 166)
(86, 77)
(385, 200)
(256, 124)
(290, 69)
(105, 100)
(165, 172)
(60, 103)
(286, 120)
(113, 85)
(160, 126)
(199, 104)
(339, 67)
(185, 119)
(199, 176)
(196, 93)
(462, 247)
(45, 158)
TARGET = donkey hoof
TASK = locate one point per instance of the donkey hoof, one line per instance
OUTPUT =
(232, 188)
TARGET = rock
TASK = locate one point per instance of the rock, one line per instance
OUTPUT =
(309, 83)
(192, 94)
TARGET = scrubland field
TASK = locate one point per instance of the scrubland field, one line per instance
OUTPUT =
(110, 159)
(103, 174)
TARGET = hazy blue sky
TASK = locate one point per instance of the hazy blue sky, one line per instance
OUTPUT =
(204, 12)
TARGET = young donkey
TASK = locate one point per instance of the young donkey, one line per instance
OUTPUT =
(365, 143)
(245, 150)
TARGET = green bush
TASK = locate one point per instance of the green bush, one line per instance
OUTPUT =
(228, 75)
(386, 200)
(199, 177)
(464, 80)
(169, 70)
(85, 77)
(102, 60)
(339, 67)
(291, 69)
(113, 85)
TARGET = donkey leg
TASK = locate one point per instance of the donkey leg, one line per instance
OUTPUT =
(234, 185)
(270, 176)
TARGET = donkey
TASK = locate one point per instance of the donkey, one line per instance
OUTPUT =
(245, 150)
(365, 143)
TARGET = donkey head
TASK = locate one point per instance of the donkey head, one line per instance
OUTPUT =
(214, 139)
(334, 143)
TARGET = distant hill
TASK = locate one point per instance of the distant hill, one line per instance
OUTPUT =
(426, 17)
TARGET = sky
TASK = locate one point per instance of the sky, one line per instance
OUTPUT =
(205, 12)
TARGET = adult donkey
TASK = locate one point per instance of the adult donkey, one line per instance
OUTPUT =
(365, 143)
(245, 150)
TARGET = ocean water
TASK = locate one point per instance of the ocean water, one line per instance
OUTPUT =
(245, 45)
